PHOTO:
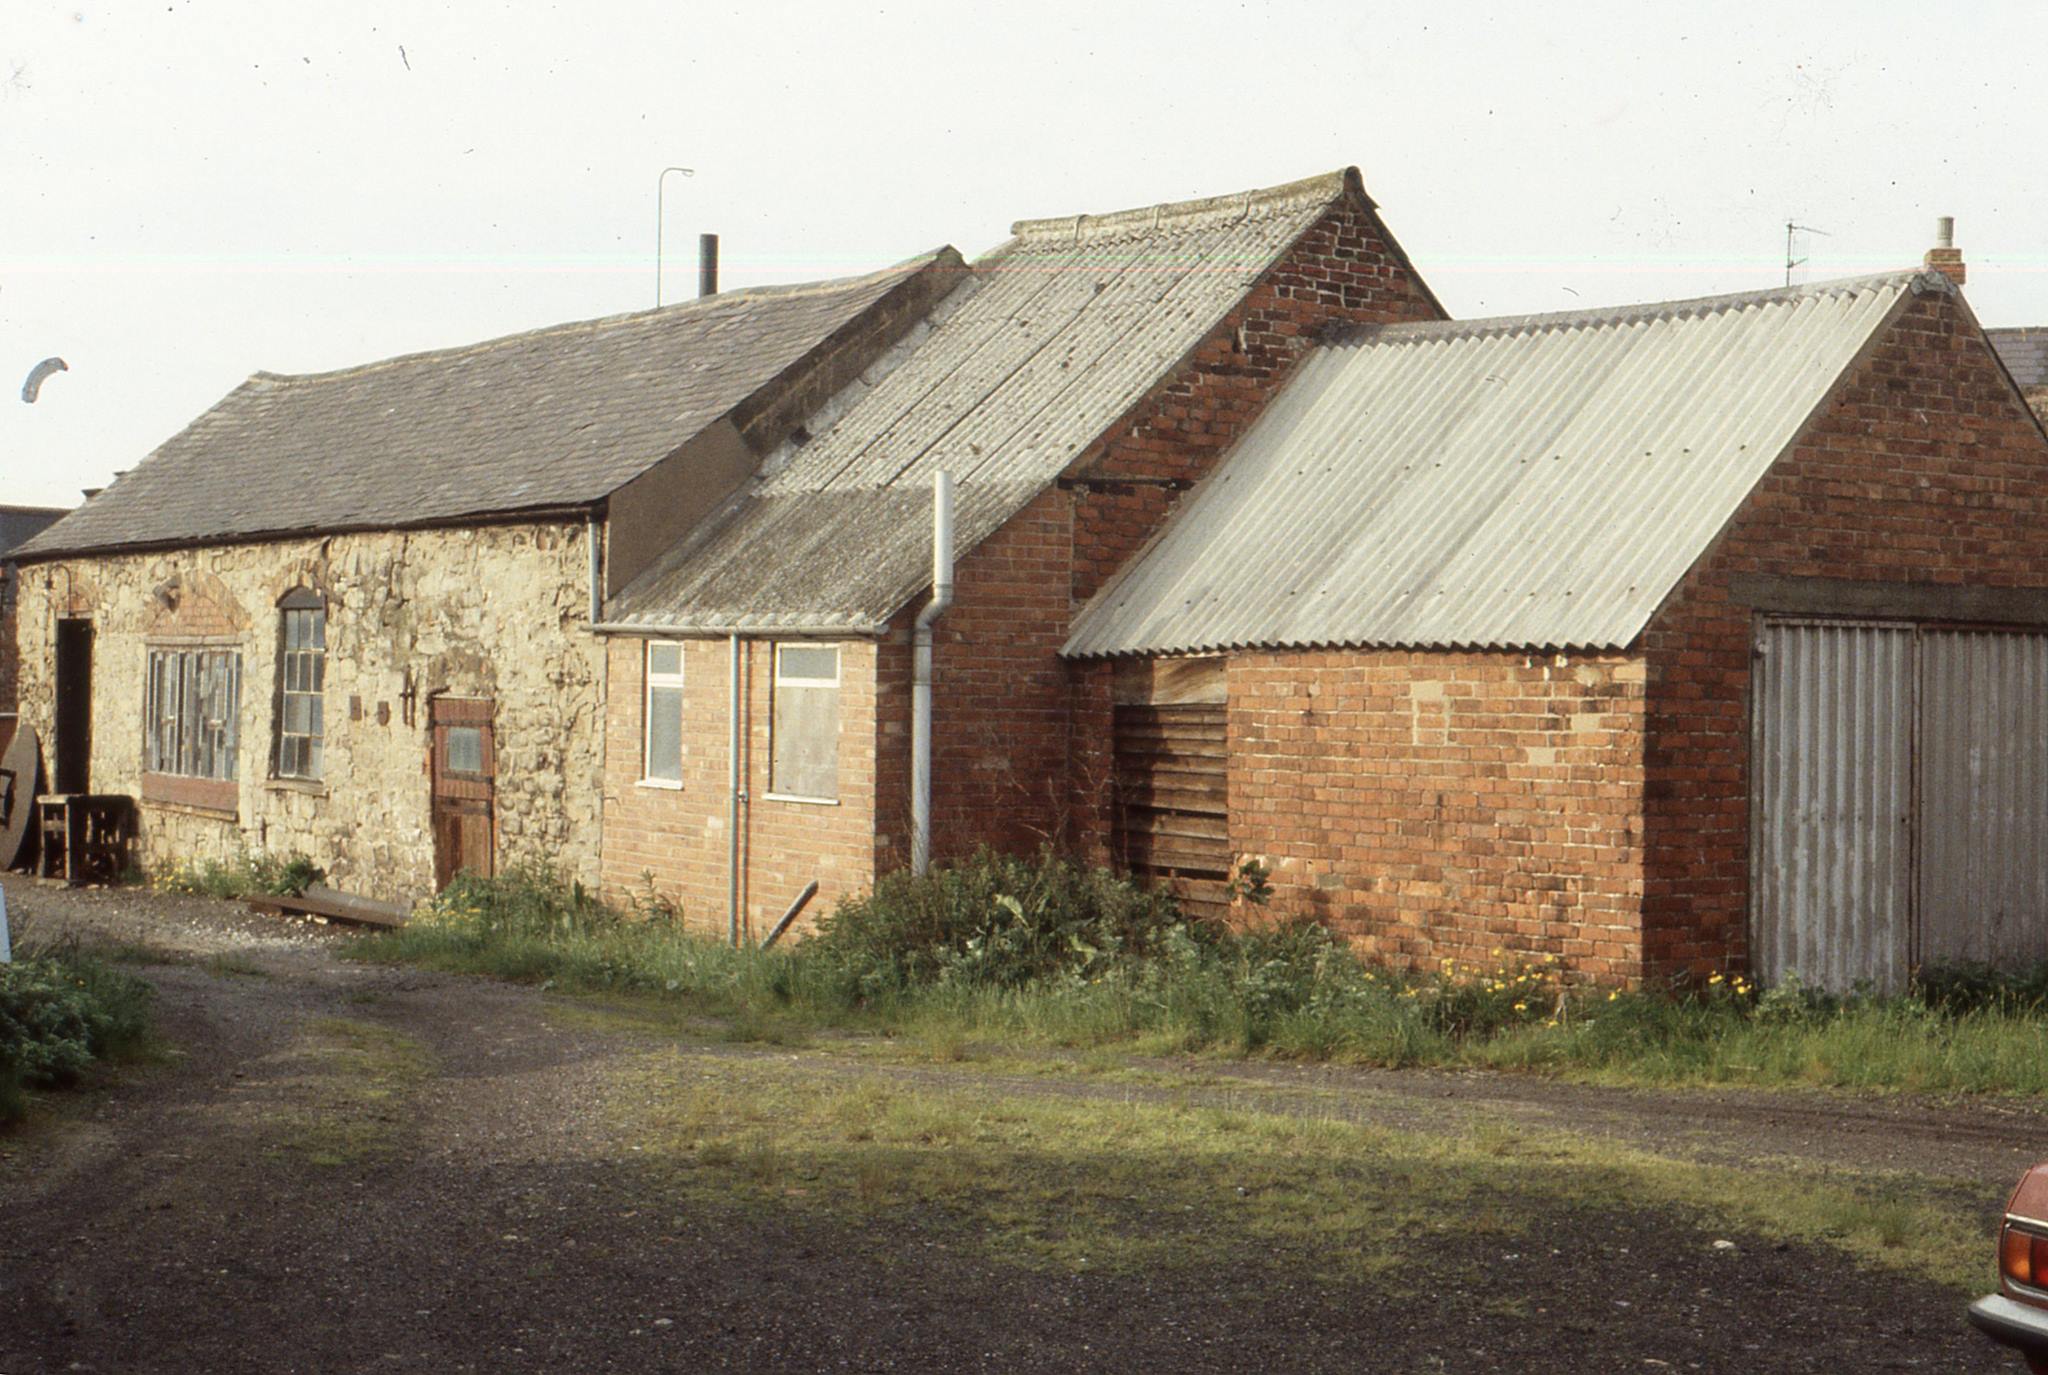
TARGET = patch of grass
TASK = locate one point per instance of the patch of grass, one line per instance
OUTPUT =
(342, 1097)
(232, 966)
(1096, 1184)
(1123, 985)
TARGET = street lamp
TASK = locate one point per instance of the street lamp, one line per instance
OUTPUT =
(661, 185)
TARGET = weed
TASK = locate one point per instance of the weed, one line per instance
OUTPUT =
(1002, 954)
(62, 1009)
(247, 875)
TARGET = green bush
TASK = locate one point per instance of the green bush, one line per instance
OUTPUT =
(245, 876)
(59, 1012)
(1967, 987)
(1000, 921)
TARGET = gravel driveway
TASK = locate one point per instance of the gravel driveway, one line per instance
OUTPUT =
(351, 1167)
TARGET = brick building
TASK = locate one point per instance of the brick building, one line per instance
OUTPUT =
(1664, 639)
(347, 614)
(1081, 376)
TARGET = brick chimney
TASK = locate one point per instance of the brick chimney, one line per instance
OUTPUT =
(1945, 257)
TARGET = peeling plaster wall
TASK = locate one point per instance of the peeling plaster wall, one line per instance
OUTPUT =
(487, 611)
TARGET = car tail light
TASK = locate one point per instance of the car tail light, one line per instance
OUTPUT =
(2023, 1257)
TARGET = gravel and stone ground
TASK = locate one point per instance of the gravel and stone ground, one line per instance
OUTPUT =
(344, 1166)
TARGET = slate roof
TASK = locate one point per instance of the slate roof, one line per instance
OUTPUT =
(1540, 481)
(553, 418)
(19, 523)
(1052, 338)
(2024, 352)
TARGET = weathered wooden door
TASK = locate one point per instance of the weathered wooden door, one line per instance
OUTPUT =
(464, 766)
(1172, 779)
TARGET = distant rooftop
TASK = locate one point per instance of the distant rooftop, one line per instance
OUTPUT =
(2024, 352)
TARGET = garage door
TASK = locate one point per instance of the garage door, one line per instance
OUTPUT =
(1899, 799)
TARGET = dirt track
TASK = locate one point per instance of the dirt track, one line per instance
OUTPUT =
(492, 1217)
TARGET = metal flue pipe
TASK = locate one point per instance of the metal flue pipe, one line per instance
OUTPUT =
(921, 674)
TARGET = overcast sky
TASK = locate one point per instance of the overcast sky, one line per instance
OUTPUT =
(191, 190)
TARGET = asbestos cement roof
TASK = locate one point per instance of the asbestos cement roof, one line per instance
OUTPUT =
(553, 418)
(1052, 338)
(1541, 481)
(2024, 352)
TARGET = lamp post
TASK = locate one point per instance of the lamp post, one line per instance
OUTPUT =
(660, 186)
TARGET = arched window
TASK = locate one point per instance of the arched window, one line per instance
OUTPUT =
(301, 683)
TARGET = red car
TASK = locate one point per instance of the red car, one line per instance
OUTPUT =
(2017, 1314)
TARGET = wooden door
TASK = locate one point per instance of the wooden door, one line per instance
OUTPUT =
(464, 761)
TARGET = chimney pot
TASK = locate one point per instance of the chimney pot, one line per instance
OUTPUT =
(707, 264)
(1945, 257)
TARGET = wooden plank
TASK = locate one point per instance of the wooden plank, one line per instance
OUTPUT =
(1155, 715)
(1169, 854)
(1170, 680)
(332, 904)
(1200, 801)
(1138, 821)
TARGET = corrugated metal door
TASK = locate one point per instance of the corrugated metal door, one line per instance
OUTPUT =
(1900, 806)
(1983, 797)
(1833, 784)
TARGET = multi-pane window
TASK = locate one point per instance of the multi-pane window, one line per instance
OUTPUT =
(192, 698)
(301, 685)
(664, 736)
(804, 755)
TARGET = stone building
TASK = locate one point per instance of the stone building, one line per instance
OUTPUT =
(346, 614)
(17, 525)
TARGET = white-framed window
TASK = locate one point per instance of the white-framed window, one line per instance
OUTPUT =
(192, 697)
(661, 752)
(804, 734)
(301, 685)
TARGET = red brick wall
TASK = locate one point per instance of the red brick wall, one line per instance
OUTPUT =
(676, 838)
(1446, 805)
(1925, 468)
(999, 700)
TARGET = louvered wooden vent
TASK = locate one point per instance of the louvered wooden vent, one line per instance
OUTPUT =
(1172, 782)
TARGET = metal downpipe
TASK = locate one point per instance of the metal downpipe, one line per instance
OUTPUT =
(921, 674)
(734, 796)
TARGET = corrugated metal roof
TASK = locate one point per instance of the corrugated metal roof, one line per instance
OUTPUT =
(2024, 352)
(1540, 481)
(555, 417)
(1057, 333)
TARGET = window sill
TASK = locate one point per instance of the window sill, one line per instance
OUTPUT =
(311, 787)
(806, 801)
(218, 796)
(660, 784)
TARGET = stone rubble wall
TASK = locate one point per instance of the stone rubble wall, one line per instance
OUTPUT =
(485, 611)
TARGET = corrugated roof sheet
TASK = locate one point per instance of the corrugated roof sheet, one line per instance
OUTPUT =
(555, 417)
(1541, 481)
(2024, 352)
(1057, 333)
